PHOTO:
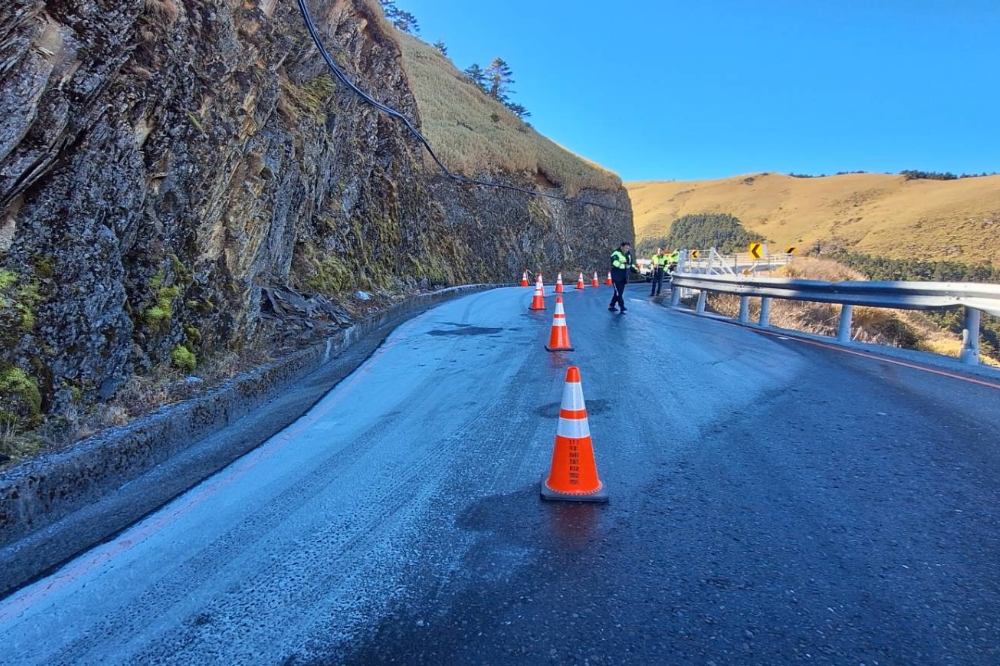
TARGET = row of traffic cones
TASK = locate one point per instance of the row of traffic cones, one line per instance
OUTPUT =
(559, 281)
(572, 476)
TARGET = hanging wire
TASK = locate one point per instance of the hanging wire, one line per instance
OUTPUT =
(339, 73)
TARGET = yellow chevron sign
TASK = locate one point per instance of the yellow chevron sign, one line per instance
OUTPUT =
(756, 250)
(695, 254)
(790, 249)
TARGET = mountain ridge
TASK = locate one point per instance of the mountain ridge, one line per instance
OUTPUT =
(877, 214)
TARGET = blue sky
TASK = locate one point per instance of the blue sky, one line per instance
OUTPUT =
(713, 88)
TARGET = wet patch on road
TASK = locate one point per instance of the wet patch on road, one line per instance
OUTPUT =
(551, 410)
(466, 330)
(524, 519)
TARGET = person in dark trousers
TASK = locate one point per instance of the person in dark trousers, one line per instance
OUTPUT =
(621, 263)
(659, 265)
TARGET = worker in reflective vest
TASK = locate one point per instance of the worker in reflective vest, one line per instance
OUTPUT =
(621, 264)
(673, 260)
(659, 265)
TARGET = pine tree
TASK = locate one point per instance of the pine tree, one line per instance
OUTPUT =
(403, 20)
(476, 75)
(499, 78)
(440, 46)
(518, 110)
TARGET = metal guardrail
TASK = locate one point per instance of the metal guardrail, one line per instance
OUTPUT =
(975, 298)
(731, 264)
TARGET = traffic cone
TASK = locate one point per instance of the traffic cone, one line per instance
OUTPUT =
(579, 281)
(524, 280)
(538, 282)
(559, 337)
(573, 475)
(595, 283)
(609, 281)
(538, 302)
(559, 284)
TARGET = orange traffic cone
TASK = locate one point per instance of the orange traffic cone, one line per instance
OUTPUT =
(559, 337)
(609, 281)
(559, 284)
(595, 283)
(538, 302)
(579, 281)
(524, 279)
(573, 475)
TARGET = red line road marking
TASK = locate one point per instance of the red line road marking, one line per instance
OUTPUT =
(35, 594)
(875, 357)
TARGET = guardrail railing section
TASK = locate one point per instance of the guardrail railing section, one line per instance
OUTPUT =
(975, 298)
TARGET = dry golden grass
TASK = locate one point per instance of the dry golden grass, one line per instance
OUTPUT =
(15, 445)
(814, 268)
(876, 214)
(144, 394)
(474, 134)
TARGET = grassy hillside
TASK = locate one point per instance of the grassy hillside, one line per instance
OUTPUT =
(876, 214)
(473, 133)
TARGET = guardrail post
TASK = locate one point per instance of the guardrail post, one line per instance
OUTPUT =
(702, 298)
(844, 330)
(675, 295)
(744, 309)
(765, 311)
(970, 337)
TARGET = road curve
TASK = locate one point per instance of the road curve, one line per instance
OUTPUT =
(771, 502)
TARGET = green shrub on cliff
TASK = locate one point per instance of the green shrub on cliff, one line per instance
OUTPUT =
(18, 300)
(183, 358)
(20, 398)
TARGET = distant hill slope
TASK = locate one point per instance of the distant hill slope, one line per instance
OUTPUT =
(875, 214)
(459, 122)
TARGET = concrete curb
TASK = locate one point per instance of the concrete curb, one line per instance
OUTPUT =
(58, 505)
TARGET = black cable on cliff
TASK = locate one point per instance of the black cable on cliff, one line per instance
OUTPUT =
(339, 73)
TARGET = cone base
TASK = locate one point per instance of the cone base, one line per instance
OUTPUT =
(555, 349)
(598, 496)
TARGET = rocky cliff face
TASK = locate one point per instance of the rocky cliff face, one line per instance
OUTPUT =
(165, 163)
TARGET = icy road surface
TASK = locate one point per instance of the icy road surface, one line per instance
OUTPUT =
(771, 502)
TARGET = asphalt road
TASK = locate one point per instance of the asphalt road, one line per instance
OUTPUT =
(771, 502)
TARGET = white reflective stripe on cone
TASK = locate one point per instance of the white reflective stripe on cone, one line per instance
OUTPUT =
(573, 428)
(572, 398)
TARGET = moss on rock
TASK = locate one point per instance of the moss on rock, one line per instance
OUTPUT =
(183, 358)
(20, 397)
(18, 300)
